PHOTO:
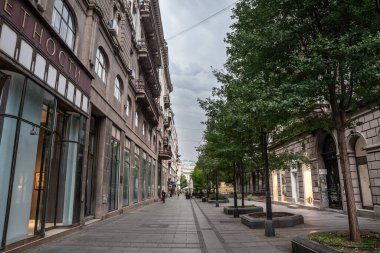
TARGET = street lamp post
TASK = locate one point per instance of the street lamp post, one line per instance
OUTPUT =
(269, 226)
(377, 5)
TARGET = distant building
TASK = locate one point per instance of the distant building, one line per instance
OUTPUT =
(186, 168)
(225, 188)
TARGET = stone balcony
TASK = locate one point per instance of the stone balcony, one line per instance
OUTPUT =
(147, 102)
(165, 141)
(165, 154)
(149, 68)
(167, 121)
(149, 24)
(166, 101)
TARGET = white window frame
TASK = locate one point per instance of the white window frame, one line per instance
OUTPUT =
(63, 22)
(101, 65)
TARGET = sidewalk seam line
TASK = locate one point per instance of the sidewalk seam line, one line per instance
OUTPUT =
(199, 232)
(218, 235)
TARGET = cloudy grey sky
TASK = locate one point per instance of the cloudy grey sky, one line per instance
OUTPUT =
(192, 56)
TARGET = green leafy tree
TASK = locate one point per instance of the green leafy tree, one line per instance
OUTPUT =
(314, 52)
(183, 181)
(198, 177)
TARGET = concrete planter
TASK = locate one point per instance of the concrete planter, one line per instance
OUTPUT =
(302, 245)
(289, 220)
(243, 210)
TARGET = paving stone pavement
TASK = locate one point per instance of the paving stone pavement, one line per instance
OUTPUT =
(191, 226)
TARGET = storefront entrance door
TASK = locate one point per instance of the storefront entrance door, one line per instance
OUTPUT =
(332, 177)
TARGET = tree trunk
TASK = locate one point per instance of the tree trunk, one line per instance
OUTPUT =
(235, 193)
(236, 211)
(242, 183)
(345, 167)
(253, 182)
(217, 189)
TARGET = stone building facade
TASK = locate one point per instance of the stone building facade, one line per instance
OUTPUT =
(84, 110)
(320, 182)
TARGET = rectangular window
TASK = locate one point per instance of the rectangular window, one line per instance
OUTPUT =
(39, 67)
(143, 176)
(136, 178)
(136, 119)
(26, 53)
(8, 40)
(128, 106)
(52, 76)
(127, 163)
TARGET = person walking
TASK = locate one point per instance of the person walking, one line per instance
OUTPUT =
(163, 194)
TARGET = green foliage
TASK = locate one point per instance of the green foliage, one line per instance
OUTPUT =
(183, 181)
(212, 196)
(305, 63)
(340, 240)
(250, 197)
(293, 67)
(199, 179)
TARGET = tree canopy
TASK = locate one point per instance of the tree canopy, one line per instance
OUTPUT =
(286, 61)
(182, 181)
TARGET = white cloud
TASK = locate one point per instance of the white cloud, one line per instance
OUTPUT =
(191, 56)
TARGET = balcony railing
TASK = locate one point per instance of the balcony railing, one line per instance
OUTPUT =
(148, 67)
(165, 154)
(145, 97)
(150, 27)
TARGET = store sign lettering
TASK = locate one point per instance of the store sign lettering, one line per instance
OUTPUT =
(42, 37)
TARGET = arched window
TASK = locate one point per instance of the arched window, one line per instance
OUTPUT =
(118, 88)
(101, 65)
(63, 22)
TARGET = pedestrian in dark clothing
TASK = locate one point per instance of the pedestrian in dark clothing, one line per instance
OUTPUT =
(163, 194)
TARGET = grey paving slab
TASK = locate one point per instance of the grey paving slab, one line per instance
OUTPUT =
(159, 227)
(191, 226)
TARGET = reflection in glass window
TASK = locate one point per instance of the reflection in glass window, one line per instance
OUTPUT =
(62, 22)
(127, 162)
(136, 179)
(100, 65)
